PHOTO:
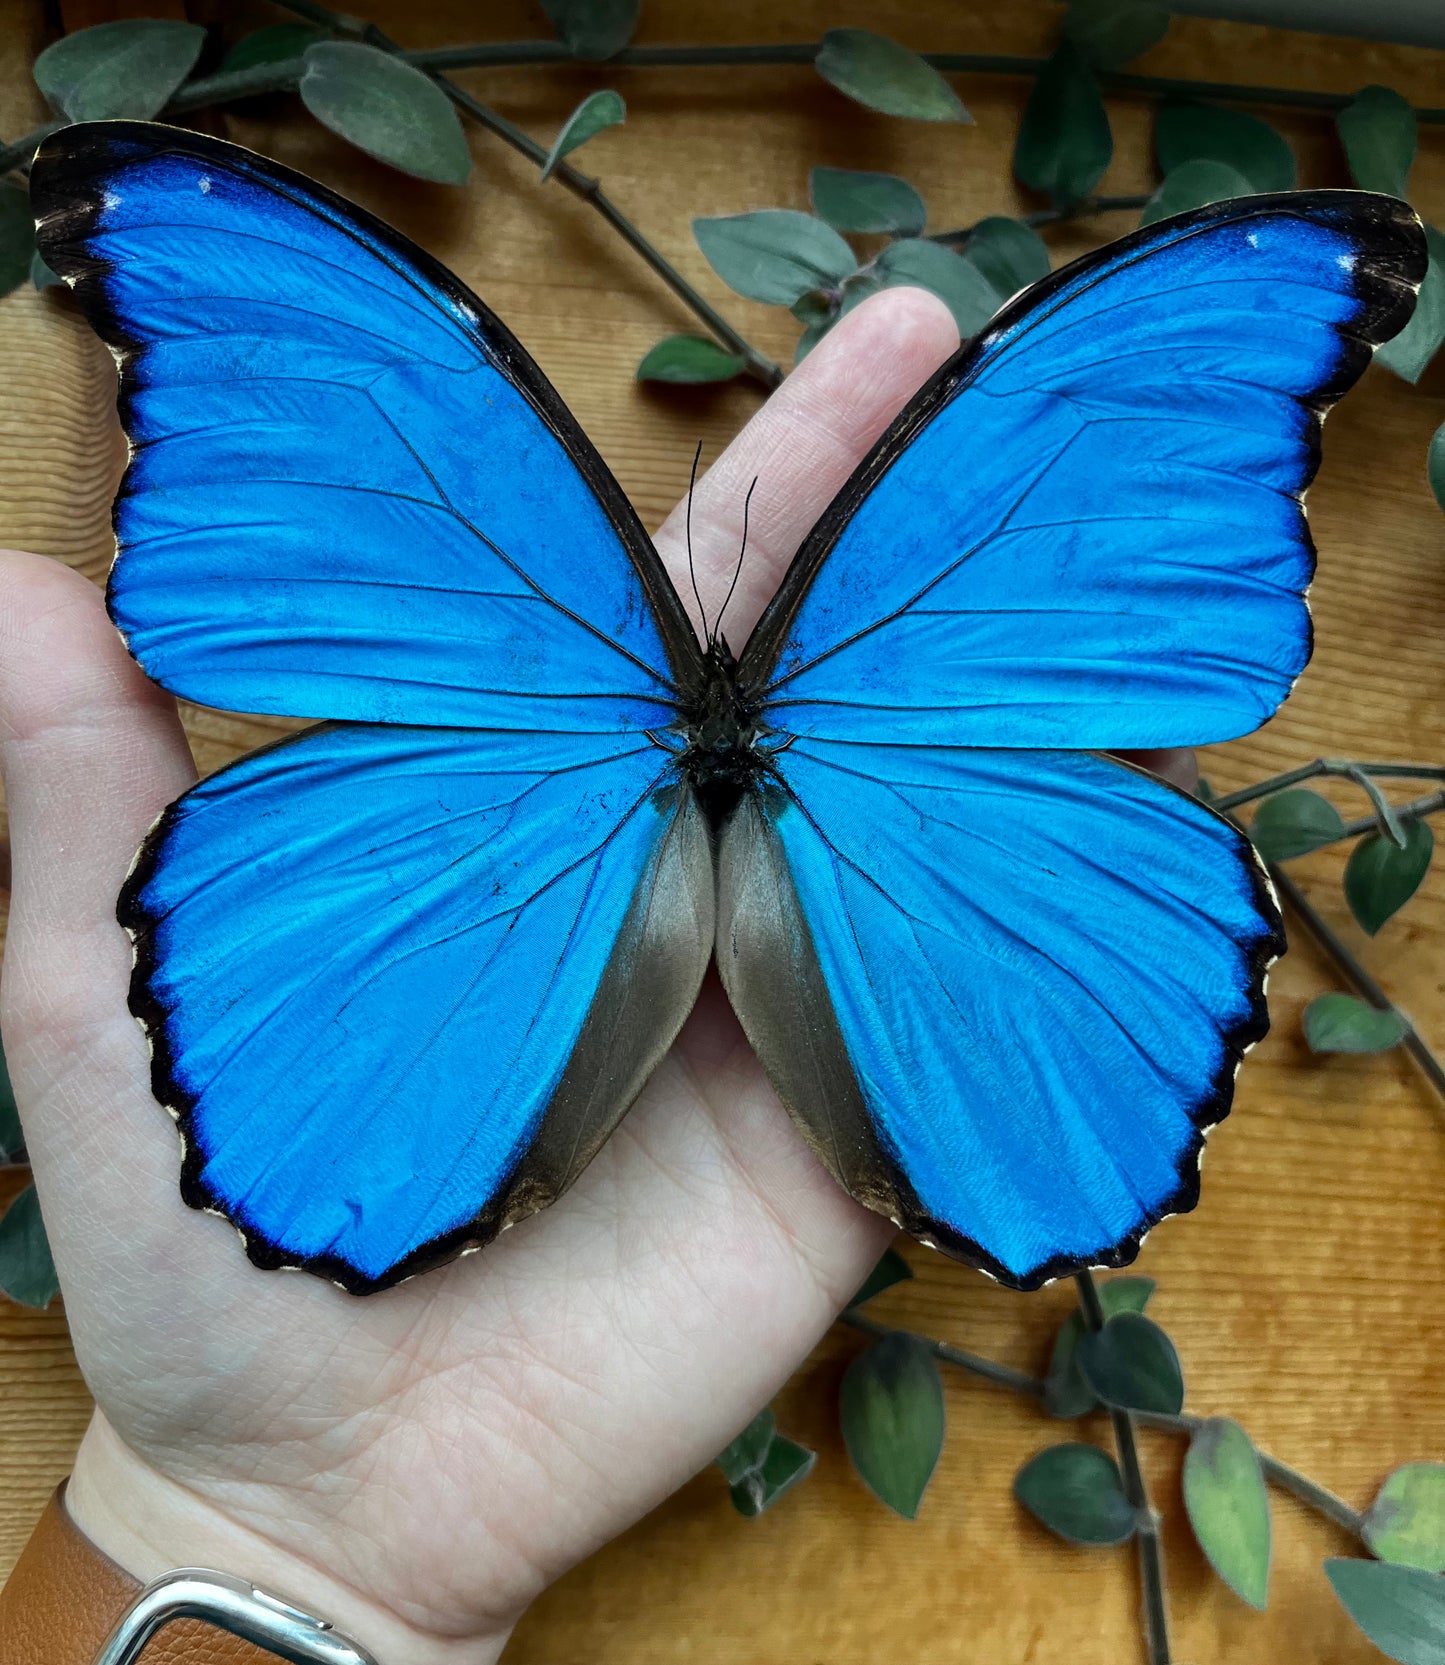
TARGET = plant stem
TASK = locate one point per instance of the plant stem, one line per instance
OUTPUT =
(1001, 1375)
(1332, 766)
(1418, 809)
(1050, 216)
(1288, 1479)
(757, 364)
(1146, 1532)
(1385, 815)
(497, 54)
(1356, 975)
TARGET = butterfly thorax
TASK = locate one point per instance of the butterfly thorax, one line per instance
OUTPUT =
(720, 723)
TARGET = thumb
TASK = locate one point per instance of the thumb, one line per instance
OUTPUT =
(91, 753)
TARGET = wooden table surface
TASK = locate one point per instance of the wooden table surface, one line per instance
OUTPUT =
(1305, 1293)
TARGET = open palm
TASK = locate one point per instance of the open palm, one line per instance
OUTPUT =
(419, 1464)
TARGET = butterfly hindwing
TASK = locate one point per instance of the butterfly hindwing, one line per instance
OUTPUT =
(402, 982)
(1004, 988)
(1005, 993)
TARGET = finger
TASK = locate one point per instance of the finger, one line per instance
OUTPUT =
(801, 447)
(1178, 765)
(91, 753)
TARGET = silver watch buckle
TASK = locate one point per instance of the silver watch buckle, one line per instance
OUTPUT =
(232, 1605)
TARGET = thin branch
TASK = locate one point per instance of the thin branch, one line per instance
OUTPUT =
(1335, 767)
(1001, 1375)
(1288, 1479)
(757, 364)
(498, 54)
(1146, 1532)
(1355, 974)
(1051, 216)
(1384, 810)
(1418, 809)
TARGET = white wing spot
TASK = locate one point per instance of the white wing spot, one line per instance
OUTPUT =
(1252, 238)
(205, 185)
(110, 201)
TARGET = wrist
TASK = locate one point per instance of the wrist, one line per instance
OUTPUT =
(149, 1524)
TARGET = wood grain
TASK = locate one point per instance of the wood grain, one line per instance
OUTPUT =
(1304, 1293)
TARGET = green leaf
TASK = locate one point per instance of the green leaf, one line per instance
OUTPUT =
(1400, 1609)
(892, 1411)
(1131, 1364)
(853, 201)
(119, 70)
(855, 288)
(817, 306)
(690, 359)
(775, 255)
(593, 29)
(1111, 32)
(760, 1465)
(1411, 351)
(1435, 465)
(1187, 131)
(1075, 1491)
(747, 1453)
(891, 1269)
(386, 108)
(785, 1464)
(1380, 877)
(277, 43)
(1010, 254)
(27, 1273)
(17, 235)
(1065, 143)
(1293, 823)
(810, 339)
(1228, 1505)
(12, 1140)
(1378, 131)
(1406, 1522)
(1194, 185)
(595, 113)
(878, 72)
(1341, 1023)
(967, 293)
(1066, 1393)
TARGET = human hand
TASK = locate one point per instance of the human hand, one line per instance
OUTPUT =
(418, 1465)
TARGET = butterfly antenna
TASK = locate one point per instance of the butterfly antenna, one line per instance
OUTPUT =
(743, 549)
(691, 564)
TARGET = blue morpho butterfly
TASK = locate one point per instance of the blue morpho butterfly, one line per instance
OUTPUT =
(403, 973)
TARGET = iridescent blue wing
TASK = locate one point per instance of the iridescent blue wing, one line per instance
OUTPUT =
(1005, 992)
(1087, 529)
(1005, 988)
(402, 974)
(401, 983)
(351, 494)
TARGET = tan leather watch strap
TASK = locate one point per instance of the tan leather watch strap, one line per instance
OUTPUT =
(64, 1597)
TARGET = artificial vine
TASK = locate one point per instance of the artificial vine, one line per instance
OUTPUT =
(402, 108)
